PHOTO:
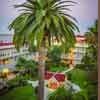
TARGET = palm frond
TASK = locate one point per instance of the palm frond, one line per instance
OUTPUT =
(39, 17)
(63, 6)
(67, 15)
(25, 5)
(63, 2)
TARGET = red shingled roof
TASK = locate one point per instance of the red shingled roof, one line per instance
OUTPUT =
(5, 43)
(58, 76)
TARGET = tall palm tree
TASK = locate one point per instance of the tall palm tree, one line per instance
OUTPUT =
(39, 22)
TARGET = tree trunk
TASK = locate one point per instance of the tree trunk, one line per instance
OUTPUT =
(41, 71)
(41, 82)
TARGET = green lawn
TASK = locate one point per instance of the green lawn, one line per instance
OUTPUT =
(20, 93)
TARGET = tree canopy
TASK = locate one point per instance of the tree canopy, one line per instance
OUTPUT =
(41, 20)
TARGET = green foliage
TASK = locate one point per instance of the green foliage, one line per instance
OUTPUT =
(86, 80)
(19, 80)
(13, 83)
(79, 77)
(60, 94)
(82, 95)
(21, 62)
(54, 54)
(88, 93)
(29, 66)
(43, 20)
(92, 51)
(20, 93)
(57, 68)
(92, 34)
(90, 56)
(88, 60)
(92, 91)
(87, 66)
(24, 63)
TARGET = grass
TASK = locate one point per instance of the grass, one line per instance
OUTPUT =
(20, 93)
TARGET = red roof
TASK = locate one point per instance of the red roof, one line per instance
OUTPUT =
(58, 76)
(5, 43)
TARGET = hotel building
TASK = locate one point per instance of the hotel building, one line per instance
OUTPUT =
(80, 49)
(9, 55)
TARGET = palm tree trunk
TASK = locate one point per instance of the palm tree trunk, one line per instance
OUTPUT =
(41, 82)
(41, 71)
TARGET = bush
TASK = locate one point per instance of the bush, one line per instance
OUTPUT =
(54, 54)
(60, 94)
(87, 67)
(18, 81)
(88, 86)
(56, 68)
(79, 77)
(92, 91)
(82, 95)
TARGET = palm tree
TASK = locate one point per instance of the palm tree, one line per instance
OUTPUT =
(92, 40)
(38, 23)
(92, 34)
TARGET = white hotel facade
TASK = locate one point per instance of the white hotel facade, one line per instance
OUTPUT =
(9, 55)
(80, 49)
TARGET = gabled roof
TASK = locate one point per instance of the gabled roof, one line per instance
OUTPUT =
(58, 76)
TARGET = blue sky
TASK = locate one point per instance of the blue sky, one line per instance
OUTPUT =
(86, 11)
